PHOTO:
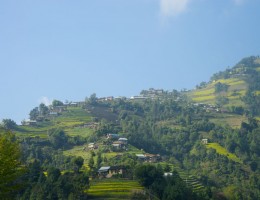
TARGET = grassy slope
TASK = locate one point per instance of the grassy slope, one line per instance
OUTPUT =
(222, 151)
(207, 94)
(232, 120)
(113, 189)
(69, 121)
(237, 89)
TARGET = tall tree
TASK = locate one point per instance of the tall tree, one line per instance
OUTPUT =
(9, 124)
(11, 169)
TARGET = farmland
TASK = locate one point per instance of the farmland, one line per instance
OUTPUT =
(222, 151)
(113, 189)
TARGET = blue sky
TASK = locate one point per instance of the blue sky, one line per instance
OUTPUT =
(68, 50)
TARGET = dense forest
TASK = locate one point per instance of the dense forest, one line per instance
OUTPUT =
(167, 123)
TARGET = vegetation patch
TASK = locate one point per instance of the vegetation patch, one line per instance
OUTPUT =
(222, 151)
(231, 120)
(113, 189)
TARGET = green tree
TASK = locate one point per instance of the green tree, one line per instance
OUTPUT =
(58, 138)
(34, 113)
(91, 162)
(9, 124)
(148, 174)
(99, 160)
(56, 103)
(221, 87)
(78, 162)
(93, 99)
(43, 109)
(11, 169)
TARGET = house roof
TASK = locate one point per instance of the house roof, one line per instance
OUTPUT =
(104, 169)
(140, 155)
(122, 139)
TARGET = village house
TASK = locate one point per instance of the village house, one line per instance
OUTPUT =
(152, 157)
(112, 136)
(204, 141)
(29, 122)
(53, 114)
(167, 174)
(92, 146)
(148, 157)
(123, 140)
(59, 109)
(140, 157)
(109, 171)
(119, 145)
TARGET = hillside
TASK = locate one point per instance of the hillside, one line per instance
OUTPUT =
(160, 131)
(235, 83)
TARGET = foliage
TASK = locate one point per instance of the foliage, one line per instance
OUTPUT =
(56, 186)
(58, 138)
(221, 87)
(78, 161)
(11, 168)
(9, 124)
(56, 103)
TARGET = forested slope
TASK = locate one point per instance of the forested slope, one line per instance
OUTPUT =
(224, 112)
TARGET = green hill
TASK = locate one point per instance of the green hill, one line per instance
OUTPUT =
(237, 81)
(166, 126)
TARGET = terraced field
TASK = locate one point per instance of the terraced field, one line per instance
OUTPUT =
(113, 189)
(222, 151)
(190, 180)
(232, 120)
(237, 88)
(68, 121)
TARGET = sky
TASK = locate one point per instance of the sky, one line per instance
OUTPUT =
(68, 50)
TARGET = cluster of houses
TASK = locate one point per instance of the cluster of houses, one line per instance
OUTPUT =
(119, 143)
(147, 157)
(208, 107)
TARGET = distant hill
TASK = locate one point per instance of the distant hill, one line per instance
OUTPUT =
(209, 135)
(229, 88)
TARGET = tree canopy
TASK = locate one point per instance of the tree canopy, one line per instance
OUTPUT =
(11, 169)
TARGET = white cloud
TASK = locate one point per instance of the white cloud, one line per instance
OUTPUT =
(45, 100)
(173, 7)
(238, 2)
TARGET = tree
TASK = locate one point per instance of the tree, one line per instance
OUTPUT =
(56, 103)
(9, 124)
(148, 174)
(58, 138)
(221, 87)
(34, 113)
(93, 99)
(99, 160)
(78, 161)
(43, 109)
(11, 169)
(53, 174)
(91, 162)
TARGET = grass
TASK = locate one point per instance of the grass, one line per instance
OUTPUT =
(84, 132)
(222, 151)
(69, 121)
(78, 151)
(112, 189)
(232, 120)
(258, 69)
(237, 88)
